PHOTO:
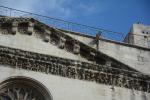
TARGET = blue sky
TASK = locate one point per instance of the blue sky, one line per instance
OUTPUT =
(116, 15)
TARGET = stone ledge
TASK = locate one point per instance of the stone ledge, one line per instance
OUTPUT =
(73, 69)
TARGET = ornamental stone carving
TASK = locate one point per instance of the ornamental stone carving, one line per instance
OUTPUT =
(76, 48)
(14, 27)
(62, 41)
(30, 28)
(72, 69)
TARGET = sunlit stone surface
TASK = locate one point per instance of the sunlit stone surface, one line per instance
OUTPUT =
(38, 62)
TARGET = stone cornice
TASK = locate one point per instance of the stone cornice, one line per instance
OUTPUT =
(20, 59)
(104, 70)
(31, 26)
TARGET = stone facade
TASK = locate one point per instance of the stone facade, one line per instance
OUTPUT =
(61, 67)
(135, 56)
(139, 35)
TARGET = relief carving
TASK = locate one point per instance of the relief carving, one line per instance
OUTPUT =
(62, 41)
(65, 67)
(76, 48)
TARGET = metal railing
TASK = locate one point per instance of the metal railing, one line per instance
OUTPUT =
(62, 24)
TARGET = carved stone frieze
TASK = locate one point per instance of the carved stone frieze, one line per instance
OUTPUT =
(16, 58)
(105, 69)
(55, 37)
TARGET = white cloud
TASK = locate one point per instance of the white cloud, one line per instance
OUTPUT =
(64, 9)
(47, 7)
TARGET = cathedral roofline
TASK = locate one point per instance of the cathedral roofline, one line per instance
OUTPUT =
(46, 30)
(107, 40)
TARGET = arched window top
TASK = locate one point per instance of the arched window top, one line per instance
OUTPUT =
(23, 88)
